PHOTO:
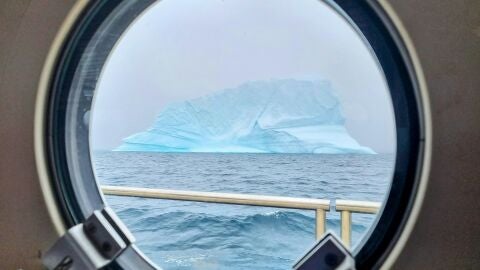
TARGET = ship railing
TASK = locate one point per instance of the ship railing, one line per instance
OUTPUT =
(320, 206)
(346, 208)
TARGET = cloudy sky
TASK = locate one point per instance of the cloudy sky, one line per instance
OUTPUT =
(181, 49)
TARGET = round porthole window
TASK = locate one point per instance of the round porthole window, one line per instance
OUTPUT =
(234, 134)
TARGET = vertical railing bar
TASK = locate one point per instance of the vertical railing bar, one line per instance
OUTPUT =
(346, 227)
(320, 220)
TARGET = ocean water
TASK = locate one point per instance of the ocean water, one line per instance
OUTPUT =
(191, 235)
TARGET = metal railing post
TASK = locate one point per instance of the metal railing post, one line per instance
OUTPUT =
(346, 227)
(346, 208)
(320, 220)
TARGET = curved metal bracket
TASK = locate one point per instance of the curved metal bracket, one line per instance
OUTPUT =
(90, 245)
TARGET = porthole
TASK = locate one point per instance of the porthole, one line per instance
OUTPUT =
(284, 122)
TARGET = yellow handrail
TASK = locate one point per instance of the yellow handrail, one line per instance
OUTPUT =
(320, 206)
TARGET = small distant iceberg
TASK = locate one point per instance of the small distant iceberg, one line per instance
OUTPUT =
(277, 116)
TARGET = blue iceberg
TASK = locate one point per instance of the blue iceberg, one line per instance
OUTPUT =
(277, 116)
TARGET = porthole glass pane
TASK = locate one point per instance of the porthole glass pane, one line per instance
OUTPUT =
(272, 98)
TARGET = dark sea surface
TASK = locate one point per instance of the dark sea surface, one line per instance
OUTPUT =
(192, 235)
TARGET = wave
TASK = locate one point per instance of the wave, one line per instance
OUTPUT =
(176, 237)
(202, 226)
(186, 220)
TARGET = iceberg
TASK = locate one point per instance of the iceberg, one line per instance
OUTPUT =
(276, 116)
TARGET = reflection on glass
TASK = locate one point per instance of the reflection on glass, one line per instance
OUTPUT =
(244, 97)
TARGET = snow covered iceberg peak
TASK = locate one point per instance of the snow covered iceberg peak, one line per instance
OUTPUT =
(277, 116)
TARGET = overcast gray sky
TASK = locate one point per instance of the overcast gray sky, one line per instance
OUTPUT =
(181, 49)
